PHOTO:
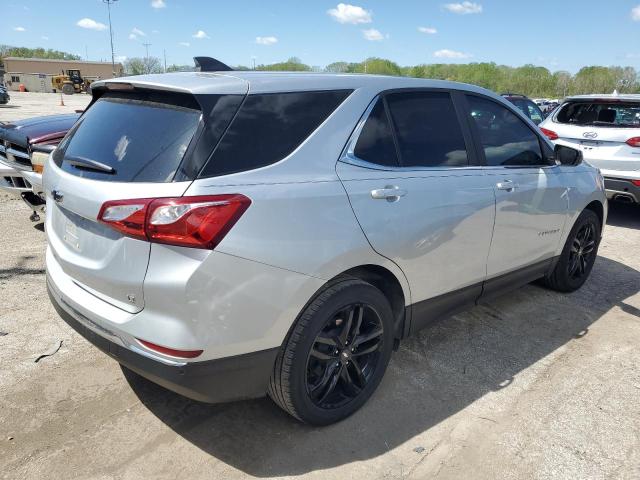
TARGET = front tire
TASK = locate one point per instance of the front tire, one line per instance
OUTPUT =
(335, 356)
(578, 255)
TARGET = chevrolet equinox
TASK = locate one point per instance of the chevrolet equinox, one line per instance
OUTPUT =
(233, 234)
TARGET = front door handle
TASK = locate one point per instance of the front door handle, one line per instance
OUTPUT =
(390, 193)
(507, 185)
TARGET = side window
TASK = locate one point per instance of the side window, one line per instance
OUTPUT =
(535, 114)
(268, 127)
(375, 143)
(505, 138)
(427, 129)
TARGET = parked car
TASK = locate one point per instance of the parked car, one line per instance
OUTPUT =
(529, 108)
(251, 232)
(4, 95)
(24, 145)
(606, 128)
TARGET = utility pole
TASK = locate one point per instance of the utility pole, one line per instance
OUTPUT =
(146, 46)
(113, 58)
(86, 53)
(164, 52)
(253, 59)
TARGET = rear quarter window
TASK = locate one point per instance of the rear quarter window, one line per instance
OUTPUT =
(268, 127)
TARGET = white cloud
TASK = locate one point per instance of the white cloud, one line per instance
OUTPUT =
(91, 24)
(184, 44)
(266, 40)
(345, 13)
(137, 31)
(446, 53)
(132, 36)
(120, 58)
(372, 34)
(155, 31)
(158, 4)
(635, 13)
(20, 29)
(429, 30)
(464, 8)
(200, 34)
(44, 37)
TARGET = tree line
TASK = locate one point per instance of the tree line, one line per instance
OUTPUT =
(23, 52)
(531, 80)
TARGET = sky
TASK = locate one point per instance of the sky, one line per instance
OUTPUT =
(560, 34)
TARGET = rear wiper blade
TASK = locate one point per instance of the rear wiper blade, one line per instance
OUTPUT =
(88, 164)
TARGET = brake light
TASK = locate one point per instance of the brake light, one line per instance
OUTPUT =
(172, 352)
(633, 142)
(196, 222)
(636, 182)
(550, 134)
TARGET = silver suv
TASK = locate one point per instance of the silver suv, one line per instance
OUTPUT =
(232, 234)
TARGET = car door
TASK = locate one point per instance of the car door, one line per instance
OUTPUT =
(407, 173)
(530, 189)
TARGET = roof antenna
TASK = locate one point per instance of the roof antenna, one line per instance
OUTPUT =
(209, 64)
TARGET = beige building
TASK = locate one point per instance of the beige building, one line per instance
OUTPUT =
(35, 73)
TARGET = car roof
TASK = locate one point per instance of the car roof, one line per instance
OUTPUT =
(240, 82)
(605, 96)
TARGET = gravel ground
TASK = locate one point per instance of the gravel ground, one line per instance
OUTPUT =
(534, 385)
(32, 104)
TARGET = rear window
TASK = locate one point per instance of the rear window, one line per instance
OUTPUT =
(602, 114)
(268, 127)
(140, 137)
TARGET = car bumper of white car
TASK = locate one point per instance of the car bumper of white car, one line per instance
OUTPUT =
(622, 186)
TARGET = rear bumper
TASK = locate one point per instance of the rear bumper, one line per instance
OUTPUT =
(213, 381)
(622, 189)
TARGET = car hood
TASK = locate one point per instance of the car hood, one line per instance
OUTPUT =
(38, 128)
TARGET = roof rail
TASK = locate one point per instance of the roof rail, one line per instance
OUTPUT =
(209, 64)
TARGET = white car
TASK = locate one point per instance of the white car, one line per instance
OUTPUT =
(606, 128)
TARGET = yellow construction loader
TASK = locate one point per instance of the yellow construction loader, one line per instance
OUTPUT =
(71, 82)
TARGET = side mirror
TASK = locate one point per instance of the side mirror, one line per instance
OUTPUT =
(567, 156)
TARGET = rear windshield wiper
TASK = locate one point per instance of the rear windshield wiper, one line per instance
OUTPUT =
(88, 164)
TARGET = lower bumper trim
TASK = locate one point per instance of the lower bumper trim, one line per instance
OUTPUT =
(213, 381)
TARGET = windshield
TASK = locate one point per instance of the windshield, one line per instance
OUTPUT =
(130, 138)
(601, 113)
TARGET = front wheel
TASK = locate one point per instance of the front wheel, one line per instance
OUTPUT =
(578, 255)
(336, 355)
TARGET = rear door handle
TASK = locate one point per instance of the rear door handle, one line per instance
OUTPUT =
(507, 185)
(390, 193)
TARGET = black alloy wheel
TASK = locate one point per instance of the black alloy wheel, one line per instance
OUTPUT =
(582, 249)
(344, 356)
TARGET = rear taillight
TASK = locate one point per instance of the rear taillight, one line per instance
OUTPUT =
(633, 142)
(636, 182)
(196, 222)
(550, 134)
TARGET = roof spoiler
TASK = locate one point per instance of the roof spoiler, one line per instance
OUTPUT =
(209, 64)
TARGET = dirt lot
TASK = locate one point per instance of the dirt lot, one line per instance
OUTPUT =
(534, 385)
(31, 104)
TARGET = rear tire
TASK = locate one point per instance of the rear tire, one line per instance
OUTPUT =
(578, 255)
(336, 355)
(68, 89)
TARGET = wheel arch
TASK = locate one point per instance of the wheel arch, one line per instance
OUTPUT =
(388, 283)
(598, 208)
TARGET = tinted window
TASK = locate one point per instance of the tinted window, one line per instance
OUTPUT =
(428, 130)
(505, 138)
(141, 137)
(268, 127)
(375, 143)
